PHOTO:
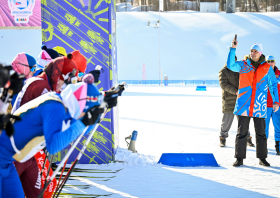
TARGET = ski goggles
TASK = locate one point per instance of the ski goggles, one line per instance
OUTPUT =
(270, 61)
(32, 68)
(80, 74)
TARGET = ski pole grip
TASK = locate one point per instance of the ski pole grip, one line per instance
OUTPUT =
(119, 86)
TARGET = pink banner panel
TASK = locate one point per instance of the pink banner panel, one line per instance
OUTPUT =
(20, 13)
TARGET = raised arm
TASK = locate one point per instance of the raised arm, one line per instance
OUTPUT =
(231, 63)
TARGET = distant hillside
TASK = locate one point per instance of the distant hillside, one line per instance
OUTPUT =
(192, 45)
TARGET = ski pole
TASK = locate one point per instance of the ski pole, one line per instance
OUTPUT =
(46, 153)
(62, 162)
(48, 172)
(80, 154)
(118, 89)
(6, 100)
(57, 186)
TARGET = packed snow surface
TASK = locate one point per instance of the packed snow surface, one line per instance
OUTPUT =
(177, 120)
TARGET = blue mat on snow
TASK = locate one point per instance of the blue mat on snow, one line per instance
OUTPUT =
(201, 88)
(188, 159)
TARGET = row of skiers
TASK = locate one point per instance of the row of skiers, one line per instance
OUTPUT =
(48, 103)
(250, 89)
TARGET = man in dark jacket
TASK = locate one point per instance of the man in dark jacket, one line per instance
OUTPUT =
(229, 82)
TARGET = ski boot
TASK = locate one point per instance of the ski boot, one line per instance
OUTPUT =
(222, 142)
(263, 162)
(277, 146)
(238, 162)
(249, 142)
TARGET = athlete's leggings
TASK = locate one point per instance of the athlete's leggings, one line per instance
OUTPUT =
(29, 177)
(10, 185)
(276, 123)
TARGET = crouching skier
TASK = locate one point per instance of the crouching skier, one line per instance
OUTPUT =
(50, 80)
(51, 120)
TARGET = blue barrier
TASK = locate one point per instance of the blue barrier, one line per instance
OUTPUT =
(201, 88)
(173, 83)
(188, 159)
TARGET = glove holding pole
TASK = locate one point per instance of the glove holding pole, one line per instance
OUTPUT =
(111, 96)
(92, 115)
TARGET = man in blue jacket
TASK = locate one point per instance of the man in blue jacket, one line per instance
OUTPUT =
(256, 77)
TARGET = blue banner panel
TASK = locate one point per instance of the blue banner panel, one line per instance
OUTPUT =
(88, 26)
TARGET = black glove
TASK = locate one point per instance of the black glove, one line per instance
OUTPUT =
(6, 122)
(16, 82)
(120, 88)
(111, 97)
(92, 115)
(5, 76)
(96, 75)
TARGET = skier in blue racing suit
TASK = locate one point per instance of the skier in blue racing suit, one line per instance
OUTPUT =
(51, 120)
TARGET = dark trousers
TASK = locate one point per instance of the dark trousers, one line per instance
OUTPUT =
(241, 137)
(226, 124)
(30, 177)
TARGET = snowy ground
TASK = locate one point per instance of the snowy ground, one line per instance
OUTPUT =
(176, 120)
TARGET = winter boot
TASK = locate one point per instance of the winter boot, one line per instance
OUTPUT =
(222, 142)
(263, 162)
(277, 146)
(238, 162)
(249, 142)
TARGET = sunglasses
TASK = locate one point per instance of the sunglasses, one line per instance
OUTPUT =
(270, 61)
(32, 68)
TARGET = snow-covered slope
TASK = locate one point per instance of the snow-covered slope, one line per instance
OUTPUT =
(192, 45)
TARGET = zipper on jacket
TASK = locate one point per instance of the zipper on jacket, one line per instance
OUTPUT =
(254, 89)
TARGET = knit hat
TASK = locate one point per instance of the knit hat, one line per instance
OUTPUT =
(68, 66)
(92, 97)
(60, 50)
(57, 68)
(53, 54)
(80, 60)
(23, 63)
(269, 57)
(88, 78)
(257, 47)
(79, 98)
(43, 59)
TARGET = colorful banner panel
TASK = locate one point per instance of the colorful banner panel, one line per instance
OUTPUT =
(20, 13)
(88, 26)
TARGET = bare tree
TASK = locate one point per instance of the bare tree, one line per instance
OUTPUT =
(256, 6)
